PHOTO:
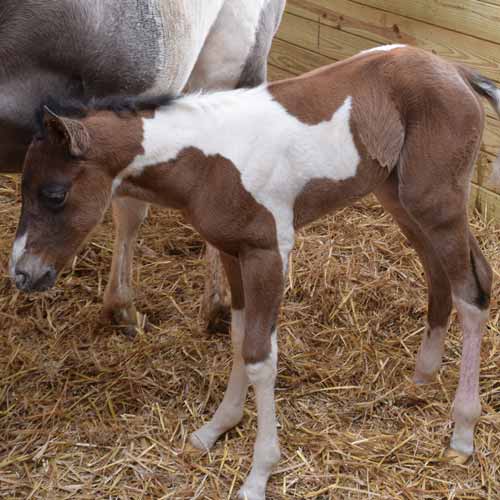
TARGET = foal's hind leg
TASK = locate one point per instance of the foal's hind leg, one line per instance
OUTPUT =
(431, 350)
(128, 215)
(441, 211)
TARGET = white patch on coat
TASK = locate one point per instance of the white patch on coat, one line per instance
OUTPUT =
(18, 250)
(383, 48)
(276, 153)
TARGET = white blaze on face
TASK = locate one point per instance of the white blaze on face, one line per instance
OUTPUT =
(18, 250)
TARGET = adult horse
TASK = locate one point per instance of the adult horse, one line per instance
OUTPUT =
(73, 49)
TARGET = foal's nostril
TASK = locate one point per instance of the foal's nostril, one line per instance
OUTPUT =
(22, 280)
(46, 281)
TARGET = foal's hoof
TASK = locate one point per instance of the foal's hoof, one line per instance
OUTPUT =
(249, 493)
(456, 457)
(420, 378)
(192, 450)
(202, 439)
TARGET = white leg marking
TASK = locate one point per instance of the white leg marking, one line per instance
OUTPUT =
(430, 355)
(266, 455)
(467, 405)
(17, 252)
(230, 411)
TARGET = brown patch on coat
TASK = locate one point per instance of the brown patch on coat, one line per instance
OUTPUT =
(209, 192)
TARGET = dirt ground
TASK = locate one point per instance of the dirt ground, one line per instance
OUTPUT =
(87, 413)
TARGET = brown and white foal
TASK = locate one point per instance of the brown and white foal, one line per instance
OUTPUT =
(249, 167)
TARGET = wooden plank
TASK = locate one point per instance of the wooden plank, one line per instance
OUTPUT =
(295, 60)
(483, 172)
(486, 202)
(300, 31)
(471, 17)
(298, 10)
(491, 138)
(496, 2)
(382, 27)
(340, 44)
(274, 73)
(473, 198)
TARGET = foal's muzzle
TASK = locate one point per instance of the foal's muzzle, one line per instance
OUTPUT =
(30, 281)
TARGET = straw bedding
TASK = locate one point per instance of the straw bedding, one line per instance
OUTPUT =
(87, 413)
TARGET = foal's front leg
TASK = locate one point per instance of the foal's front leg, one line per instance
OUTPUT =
(262, 273)
(230, 411)
(128, 214)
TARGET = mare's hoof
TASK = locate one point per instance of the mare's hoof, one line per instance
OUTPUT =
(456, 457)
(126, 320)
(218, 319)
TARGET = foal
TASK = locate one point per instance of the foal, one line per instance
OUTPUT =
(247, 168)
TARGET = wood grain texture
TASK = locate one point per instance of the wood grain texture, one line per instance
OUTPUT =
(383, 27)
(318, 32)
(472, 17)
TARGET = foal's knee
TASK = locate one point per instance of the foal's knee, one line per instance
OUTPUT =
(258, 349)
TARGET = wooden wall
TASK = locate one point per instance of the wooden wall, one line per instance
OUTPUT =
(318, 32)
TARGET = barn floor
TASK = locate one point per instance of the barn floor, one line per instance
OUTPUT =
(87, 413)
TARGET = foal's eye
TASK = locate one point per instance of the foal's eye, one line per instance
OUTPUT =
(54, 196)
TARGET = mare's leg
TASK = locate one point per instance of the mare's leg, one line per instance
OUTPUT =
(263, 278)
(431, 350)
(128, 215)
(230, 411)
(216, 293)
(234, 55)
(236, 51)
(440, 209)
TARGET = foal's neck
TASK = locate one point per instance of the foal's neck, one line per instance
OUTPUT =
(177, 138)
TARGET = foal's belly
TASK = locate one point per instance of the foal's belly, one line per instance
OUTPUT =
(322, 196)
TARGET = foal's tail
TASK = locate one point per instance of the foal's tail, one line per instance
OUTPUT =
(486, 88)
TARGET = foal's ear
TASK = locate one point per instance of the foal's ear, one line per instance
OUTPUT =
(69, 131)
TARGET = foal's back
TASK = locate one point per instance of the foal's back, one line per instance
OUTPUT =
(390, 93)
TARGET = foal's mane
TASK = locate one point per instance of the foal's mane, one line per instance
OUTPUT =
(80, 108)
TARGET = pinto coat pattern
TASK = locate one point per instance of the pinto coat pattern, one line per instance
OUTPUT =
(249, 167)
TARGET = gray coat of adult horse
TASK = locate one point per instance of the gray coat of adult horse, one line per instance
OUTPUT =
(70, 48)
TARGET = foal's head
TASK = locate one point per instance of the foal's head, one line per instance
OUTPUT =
(67, 187)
